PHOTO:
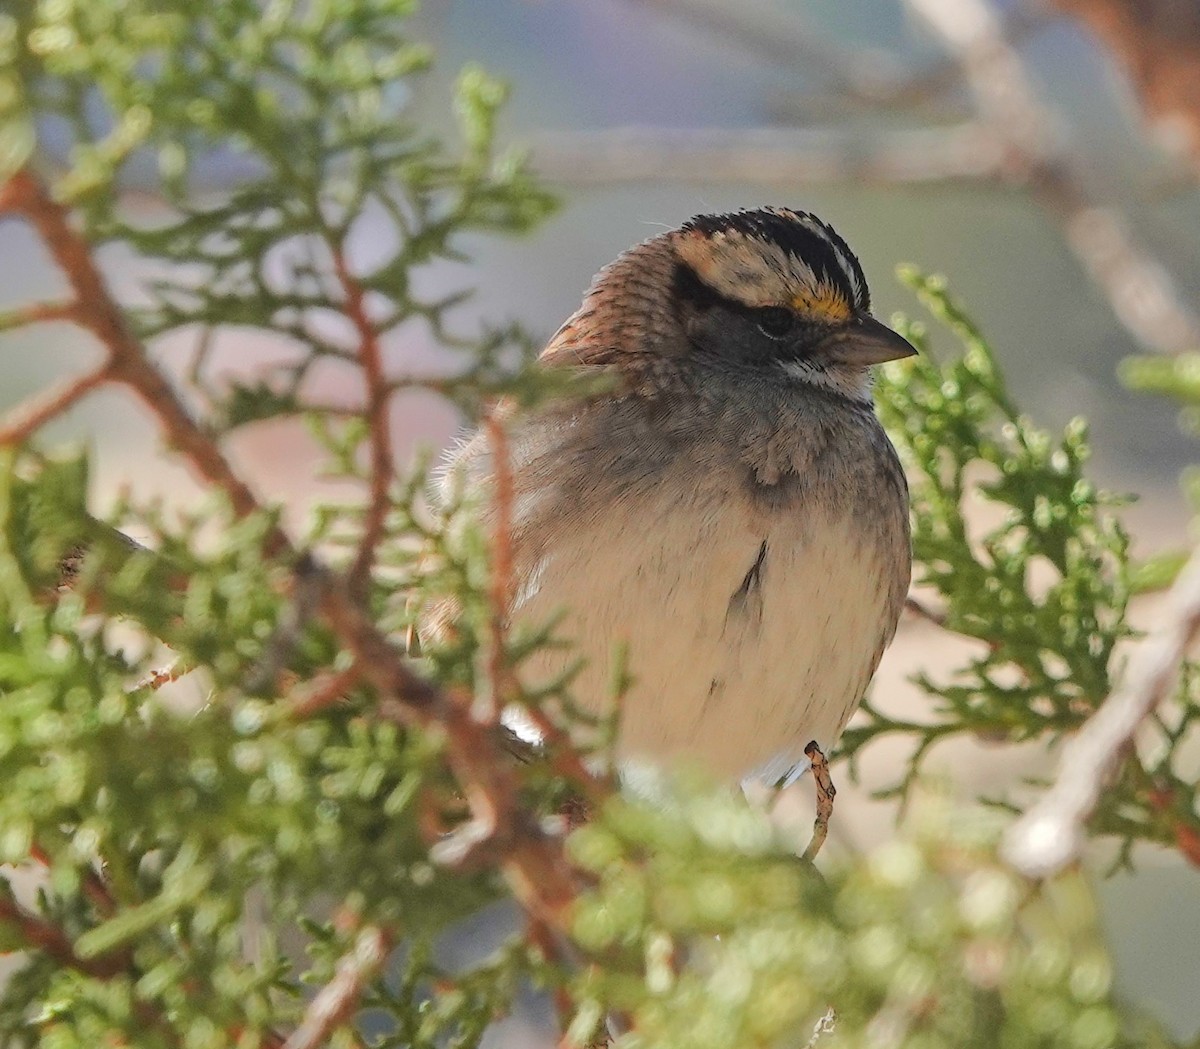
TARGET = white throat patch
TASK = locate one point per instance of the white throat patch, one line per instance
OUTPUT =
(851, 383)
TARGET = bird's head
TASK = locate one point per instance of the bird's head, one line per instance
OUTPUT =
(772, 292)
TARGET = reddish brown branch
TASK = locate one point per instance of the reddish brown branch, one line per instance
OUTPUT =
(94, 886)
(1165, 802)
(128, 362)
(39, 934)
(500, 829)
(545, 940)
(535, 865)
(324, 691)
(378, 395)
(562, 754)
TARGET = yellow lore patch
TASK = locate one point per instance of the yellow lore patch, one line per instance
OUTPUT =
(822, 303)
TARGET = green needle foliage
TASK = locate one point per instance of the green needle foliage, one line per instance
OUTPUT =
(284, 861)
(1016, 549)
(1044, 590)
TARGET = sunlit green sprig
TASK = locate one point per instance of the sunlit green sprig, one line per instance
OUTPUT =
(1044, 590)
(187, 811)
(715, 936)
(275, 138)
(280, 138)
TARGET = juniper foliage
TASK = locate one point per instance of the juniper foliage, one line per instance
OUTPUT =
(279, 865)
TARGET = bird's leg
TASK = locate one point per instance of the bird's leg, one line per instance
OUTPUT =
(826, 792)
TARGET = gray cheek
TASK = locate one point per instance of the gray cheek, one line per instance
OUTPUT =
(724, 335)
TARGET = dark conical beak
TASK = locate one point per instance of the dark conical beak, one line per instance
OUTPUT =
(864, 341)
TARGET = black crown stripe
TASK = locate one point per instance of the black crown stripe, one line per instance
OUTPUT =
(817, 248)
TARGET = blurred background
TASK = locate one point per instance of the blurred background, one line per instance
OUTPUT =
(1036, 153)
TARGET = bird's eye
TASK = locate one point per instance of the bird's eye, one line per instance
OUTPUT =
(774, 321)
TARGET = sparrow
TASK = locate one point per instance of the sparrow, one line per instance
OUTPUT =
(727, 506)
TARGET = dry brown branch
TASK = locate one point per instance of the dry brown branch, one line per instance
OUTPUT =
(1158, 43)
(770, 156)
(34, 412)
(335, 1003)
(826, 792)
(1050, 834)
(378, 399)
(1138, 287)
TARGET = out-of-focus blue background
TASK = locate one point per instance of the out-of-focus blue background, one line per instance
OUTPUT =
(588, 65)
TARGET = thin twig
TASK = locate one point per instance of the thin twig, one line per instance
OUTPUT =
(128, 362)
(38, 313)
(1050, 835)
(335, 1003)
(324, 691)
(94, 886)
(501, 591)
(827, 1024)
(45, 936)
(770, 156)
(378, 399)
(555, 951)
(922, 611)
(542, 878)
(157, 678)
(536, 866)
(559, 751)
(563, 757)
(34, 412)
